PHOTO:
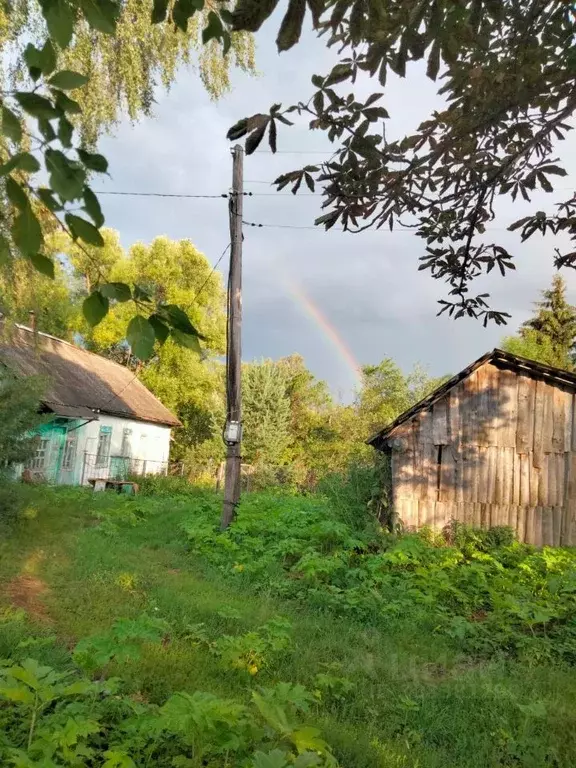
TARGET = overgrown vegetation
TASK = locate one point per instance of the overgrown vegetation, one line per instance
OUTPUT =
(156, 640)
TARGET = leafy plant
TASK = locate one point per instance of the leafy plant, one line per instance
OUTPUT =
(121, 643)
(254, 650)
(53, 719)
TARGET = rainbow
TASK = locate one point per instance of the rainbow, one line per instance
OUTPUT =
(330, 332)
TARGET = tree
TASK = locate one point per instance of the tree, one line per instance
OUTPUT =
(24, 290)
(266, 413)
(536, 347)
(550, 335)
(507, 73)
(127, 69)
(386, 392)
(19, 416)
(43, 118)
(174, 273)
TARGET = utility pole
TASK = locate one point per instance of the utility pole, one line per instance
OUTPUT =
(233, 428)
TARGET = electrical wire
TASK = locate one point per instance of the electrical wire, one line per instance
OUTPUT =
(162, 194)
(196, 295)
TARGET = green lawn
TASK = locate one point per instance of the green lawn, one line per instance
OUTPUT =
(389, 693)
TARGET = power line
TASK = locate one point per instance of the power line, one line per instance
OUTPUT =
(163, 194)
(214, 268)
(295, 152)
(317, 228)
(197, 294)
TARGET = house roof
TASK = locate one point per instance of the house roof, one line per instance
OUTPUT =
(499, 358)
(80, 383)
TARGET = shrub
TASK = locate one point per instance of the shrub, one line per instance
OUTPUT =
(54, 718)
(484, 591)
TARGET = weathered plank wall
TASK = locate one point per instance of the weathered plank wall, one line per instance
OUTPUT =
(498, 449)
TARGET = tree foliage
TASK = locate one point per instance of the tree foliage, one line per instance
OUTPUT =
(19, 416)
(550, 335)
(40, 121)
(386, 392)
(506, 74)
(126, 69)
(266, 413)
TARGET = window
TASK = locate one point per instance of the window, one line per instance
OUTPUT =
(69, 455)
(103, 451)
(39, 460)
(126, 443)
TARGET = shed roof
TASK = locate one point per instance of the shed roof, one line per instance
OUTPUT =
(497, 357)
(80, 382)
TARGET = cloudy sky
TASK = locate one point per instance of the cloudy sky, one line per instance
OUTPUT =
(336, 298)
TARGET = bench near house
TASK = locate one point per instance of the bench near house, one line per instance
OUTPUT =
(102, 421)
(495, 445)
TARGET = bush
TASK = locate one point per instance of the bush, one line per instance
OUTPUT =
(485, 592)
(54, 718)
(164, 485)
(359, 496)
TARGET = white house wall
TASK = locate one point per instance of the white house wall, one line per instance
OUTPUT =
(148, 445)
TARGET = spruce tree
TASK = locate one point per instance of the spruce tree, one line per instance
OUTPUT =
(554, 324)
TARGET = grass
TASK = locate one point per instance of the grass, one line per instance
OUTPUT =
(398, 696)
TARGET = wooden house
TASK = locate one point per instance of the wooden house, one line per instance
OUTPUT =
(495, 445)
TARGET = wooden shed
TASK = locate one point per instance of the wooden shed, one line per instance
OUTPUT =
(495, 445)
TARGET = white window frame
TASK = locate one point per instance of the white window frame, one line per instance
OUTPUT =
(103, 447)
(69, 452)
(38, 461)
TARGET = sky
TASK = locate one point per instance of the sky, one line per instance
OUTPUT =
(338, 299)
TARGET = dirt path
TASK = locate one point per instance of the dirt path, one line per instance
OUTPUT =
(26, 592)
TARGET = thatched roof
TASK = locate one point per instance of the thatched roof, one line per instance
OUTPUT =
(497, 357)
(80, 383)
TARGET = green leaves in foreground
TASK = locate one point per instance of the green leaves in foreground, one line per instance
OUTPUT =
(143, 332)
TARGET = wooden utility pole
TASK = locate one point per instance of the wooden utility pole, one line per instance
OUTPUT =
(233, 428)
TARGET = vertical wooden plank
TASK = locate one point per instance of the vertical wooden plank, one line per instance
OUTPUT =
(521, 522)
(459, 478)
(513, 518)
(537, 529)
(552, 498)
(508, 408)
(534, 483)
(491, 397)
(543, 484)
(558, 420)
(447, 475)
(454, 422)
(508, 474)
(516, 478)
(556, 525)
(426, 426)
(548, 420)
(426, 513)
(440, 422)
(547, 529)
(529, 525)
(469, 409)
(499, 488)
(484, 405)
(538, 432)
(477, 519)
(524, 461)
(482, 471)
(560, 478)
(419, 480)
(525, 425)
(474, 472)
(492, 467)
(568, 416)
